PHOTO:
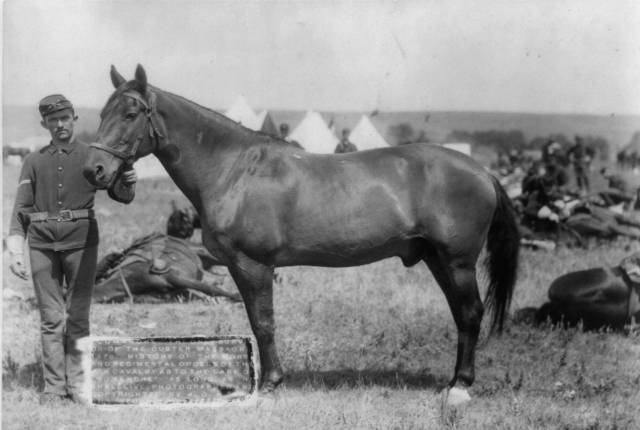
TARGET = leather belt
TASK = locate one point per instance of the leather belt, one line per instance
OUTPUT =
(63, 215)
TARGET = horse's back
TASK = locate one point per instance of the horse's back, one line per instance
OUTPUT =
(359, 207)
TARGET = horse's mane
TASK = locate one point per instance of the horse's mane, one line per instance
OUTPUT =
(228, 122)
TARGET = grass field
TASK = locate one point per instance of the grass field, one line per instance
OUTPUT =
(365, 347)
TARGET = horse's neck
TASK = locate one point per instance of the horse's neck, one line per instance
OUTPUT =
(194, 127)
(198, 141)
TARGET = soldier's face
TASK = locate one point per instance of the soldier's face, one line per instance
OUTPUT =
(60, 124)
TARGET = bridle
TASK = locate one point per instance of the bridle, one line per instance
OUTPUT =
(128, 156)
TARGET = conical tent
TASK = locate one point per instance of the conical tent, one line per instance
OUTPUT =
(267, 124)
(242, 113)
(366, 136)
(465, 148)
(314, 135)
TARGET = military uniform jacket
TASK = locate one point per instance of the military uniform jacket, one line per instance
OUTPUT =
(51, 180)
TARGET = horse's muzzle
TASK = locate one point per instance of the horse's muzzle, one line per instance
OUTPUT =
(96, 175)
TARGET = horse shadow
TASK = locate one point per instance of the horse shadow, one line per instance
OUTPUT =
(352, 378)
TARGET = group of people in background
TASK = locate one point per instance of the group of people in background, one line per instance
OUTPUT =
(548, 199)
(628, 159)
(554, 164)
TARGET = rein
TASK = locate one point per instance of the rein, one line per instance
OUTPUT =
(128, 156)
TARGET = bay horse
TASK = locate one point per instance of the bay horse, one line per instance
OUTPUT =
(265, 204)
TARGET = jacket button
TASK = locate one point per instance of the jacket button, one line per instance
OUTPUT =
(59, 203)
(59, 185)
(60, 168)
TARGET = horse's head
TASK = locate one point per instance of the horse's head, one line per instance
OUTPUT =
(130, 128)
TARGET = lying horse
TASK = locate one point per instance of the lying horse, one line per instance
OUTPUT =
(160, 266)
(265, 204)
(599, 297)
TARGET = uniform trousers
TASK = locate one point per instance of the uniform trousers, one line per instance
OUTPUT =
(63, 282)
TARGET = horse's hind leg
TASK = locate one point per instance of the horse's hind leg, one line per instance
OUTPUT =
(255, 283)
(457, 278)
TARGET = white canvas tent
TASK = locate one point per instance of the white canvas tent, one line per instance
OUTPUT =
(241, 112)
(314, 135)
(465, 148)
(267, 124)
(366, 136)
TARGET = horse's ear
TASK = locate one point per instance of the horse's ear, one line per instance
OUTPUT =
(116, 78)
(141, 78)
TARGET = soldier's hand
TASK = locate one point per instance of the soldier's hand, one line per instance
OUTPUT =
(18, 267)
(129, 177)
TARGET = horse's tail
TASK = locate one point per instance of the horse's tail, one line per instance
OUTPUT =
(503, 246)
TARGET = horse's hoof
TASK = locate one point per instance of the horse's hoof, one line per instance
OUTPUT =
(456, 396)
(272, 381)
(268, 387)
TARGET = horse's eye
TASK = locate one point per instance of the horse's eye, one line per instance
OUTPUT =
(131, 115)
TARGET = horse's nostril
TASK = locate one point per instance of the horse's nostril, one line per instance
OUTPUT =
(99, 169)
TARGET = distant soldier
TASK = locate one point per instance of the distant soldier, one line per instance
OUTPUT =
(284, 135)
(504, 164)
(618, 189)
(622, 159)
(580, 158)
(284, 131)
(345, 145)
(615, 181)
(550, 152)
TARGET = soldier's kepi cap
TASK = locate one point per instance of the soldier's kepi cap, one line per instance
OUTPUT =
(53, 103)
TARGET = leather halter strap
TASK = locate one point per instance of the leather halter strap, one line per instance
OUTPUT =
(128, 156)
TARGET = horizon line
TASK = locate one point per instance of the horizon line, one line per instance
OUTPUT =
(382, 111)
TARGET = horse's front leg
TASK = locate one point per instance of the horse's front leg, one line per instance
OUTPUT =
(255, 283)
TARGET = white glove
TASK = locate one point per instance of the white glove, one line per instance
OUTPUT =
(17, 266)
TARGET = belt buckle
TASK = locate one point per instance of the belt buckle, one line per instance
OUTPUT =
(65, 215)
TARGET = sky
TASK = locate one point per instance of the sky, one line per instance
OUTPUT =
(547, 56)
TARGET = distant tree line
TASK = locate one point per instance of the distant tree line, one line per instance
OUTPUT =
(503, 140)
(499, 140)
(403, 133)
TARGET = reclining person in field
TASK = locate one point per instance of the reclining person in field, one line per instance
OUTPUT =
(618, 192)
(588, 219)
(550, 212)
(599, 297)
(540, 216)
(158, 267)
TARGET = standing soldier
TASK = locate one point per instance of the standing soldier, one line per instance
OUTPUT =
(581, 160)
(345, 145)
(54, 210)
(551, 152)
